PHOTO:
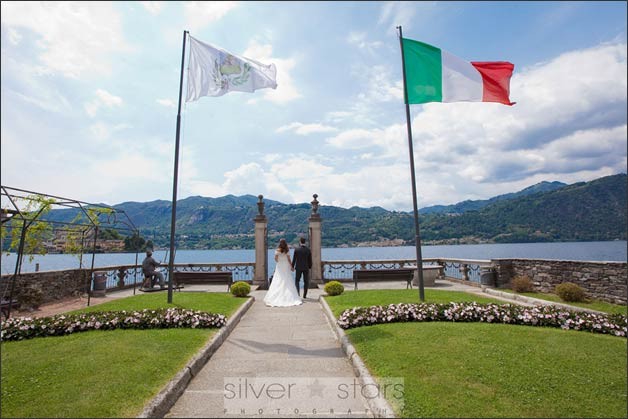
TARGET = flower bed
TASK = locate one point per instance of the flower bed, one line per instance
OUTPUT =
(19, 328)
(550, 316)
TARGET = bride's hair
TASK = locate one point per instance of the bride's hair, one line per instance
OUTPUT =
(283, 246)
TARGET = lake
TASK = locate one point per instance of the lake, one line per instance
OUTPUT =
(615, 251)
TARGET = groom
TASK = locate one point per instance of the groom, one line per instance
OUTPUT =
(302, 263)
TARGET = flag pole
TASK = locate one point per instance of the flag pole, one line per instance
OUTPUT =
(419, 257)
(175, 180)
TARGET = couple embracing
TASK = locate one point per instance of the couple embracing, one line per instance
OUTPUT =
(284, 291)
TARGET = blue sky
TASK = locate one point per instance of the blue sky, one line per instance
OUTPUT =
(89, 96)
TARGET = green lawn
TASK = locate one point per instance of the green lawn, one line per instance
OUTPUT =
(350, 299)
(103, 373)
(497, 370)
(593, 304)
(214, 302)
(492, 370)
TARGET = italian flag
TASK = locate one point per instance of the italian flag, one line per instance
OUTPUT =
(434, 75)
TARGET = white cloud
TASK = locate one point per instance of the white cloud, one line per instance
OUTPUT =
(14, 36)
(305, 129)
(389, 142)
(300, 168)
(583, 151)
(153, 7)
(354, 139)
(49, 100)
(77, 39)
(286, 90)
(577, 99)
(359, 39)
(376, 185)
(269, 158)
(103, 132)
(381, 85)
(103, 98)
(108, 99)
(199, 14)
(378, 86)
(396, 13)
(338, 116)
(166, 102)
(569, 124)
(279, 177)
(251, 178)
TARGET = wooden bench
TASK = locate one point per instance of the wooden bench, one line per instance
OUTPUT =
(200, 277)
(6, 306)
(400, 274)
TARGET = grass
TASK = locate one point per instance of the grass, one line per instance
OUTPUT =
(350, 299)
(496, 370)
(103, 374)
(214, 302)
(592, 304)
(491, 370)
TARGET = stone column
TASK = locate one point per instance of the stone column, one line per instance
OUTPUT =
(315, 243)
(503, 272)
(261, 255)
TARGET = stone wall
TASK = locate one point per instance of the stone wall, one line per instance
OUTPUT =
(54, 285)
(605, 281)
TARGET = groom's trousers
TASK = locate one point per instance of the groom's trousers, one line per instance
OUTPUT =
(306, 280)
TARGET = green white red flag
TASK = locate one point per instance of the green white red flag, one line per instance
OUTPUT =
(434, 75)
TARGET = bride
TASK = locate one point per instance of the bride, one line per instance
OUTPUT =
(282, 291)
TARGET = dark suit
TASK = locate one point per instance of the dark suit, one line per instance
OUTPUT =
(302, 263)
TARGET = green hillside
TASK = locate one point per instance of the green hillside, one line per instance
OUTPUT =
(595, 210)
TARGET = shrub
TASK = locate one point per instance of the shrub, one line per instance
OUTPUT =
(568, 291)
(547, 316)
(31, 297)
(521, 284)
(18, 328)
(240, 289)
(334, 288)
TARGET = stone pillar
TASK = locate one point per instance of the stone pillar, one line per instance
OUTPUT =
(261, 255)
(503, 272)
(315, 243)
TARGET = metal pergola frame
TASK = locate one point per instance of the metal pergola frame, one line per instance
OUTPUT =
(13, 213)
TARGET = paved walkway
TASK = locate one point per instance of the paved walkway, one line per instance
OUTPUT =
(279, 362)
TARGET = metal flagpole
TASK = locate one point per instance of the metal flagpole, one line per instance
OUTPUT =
(176, 176)
(419, 258)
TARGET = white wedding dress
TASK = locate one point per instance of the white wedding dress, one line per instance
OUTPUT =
(282, 291)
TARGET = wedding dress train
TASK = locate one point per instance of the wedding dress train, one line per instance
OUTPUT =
(282, 291)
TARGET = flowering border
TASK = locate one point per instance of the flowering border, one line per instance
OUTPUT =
(19, 328)
(549, 316)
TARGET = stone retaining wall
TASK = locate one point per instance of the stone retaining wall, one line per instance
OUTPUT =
(54, 285)
(605, 281)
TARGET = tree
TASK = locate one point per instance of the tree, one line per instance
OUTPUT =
(134, 243)
(26, 225)
(84, 228)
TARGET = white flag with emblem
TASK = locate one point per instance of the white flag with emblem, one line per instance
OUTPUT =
(214, 72)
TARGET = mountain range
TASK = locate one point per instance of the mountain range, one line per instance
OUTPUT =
(547, 211)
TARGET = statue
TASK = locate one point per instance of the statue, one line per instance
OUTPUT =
(315, 206)
(260, 205)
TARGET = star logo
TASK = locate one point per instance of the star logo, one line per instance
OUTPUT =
(316, 389)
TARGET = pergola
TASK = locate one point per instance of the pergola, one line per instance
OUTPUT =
(23, 209)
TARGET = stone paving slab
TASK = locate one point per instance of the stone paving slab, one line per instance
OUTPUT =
(278, 362)
(285, 348)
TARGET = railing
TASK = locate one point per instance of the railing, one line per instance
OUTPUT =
(466, 269)
(460, 269)
(128, 276)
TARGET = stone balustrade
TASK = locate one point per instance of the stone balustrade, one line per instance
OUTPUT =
(605, 281)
